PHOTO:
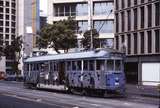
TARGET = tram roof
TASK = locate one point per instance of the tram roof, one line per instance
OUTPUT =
(71, 56)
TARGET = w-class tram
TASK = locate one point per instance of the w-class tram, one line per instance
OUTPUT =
(99, 70)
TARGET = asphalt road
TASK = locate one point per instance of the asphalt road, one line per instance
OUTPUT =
(14, 95)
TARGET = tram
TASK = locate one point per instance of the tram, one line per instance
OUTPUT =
(98, 70)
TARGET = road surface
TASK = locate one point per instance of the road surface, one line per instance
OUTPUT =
(14, 95)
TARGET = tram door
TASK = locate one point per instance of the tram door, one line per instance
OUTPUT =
(61, 72)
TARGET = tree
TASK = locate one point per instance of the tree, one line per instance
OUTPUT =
(86, 40)
(59, 35)
(13, 52)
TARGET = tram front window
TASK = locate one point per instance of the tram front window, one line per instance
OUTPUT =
(117, 65)
(110, 65)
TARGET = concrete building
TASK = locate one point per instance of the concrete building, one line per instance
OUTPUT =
(28, 25)
(137, 33)
(88, 14)
(8, 30)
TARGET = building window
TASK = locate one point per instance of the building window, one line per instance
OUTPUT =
(123, 21)
(7, 23)
(7, 17)
(82, 26)
(129, 3)
(149, 15)
(105, 26)
(157, 17)
(142, 42)
(71, 9)
(7, 10)
(142, 17)
(1, 9)
(117, 43)
(13, 11)
(13, 5)
(1, 16)
(7, 3)
(1, 23)
(13, 18)
(135, 43)
(117, 23)
(135, 19)
(157, 41)
(102, 8)
(142, 1)
(129, 20)
(135, 2)
(7, 36)
(149, 41)
(7, 30)
(122, 3)
(129, 43)
(1, 3)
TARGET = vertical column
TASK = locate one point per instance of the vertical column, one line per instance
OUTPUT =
(132, 44)
(145, 17)
(153, 41)
(139, 19)
(139, 72)
(145, 42)
(139, 43)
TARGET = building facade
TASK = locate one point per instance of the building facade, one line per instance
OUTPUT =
(88, 14)
(137, 33)
(28, 26)
(8, 30)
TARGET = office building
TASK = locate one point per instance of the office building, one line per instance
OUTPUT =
(88, 14)
(8, 31)
(137, 33)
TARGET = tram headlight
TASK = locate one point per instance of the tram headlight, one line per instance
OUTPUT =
(116, 81)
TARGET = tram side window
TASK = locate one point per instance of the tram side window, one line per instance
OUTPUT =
(26, 67)
(117, 65)
(100, 65)
(78, 65)
(110, 65)
(91, 65)
(85, 65)
(55, 67)
(73, 65)
(68, 66)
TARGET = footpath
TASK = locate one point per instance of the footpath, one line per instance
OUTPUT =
(148, 91)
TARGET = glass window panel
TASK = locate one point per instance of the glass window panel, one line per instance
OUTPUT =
(68, 66)
(85, 65)
(81, 9)
(79, 65)
(83, 26)
(73, 65)
(103, 8)
(117, 65)
(110, 65)
(104, 26)
(67, 10)
(91, 65)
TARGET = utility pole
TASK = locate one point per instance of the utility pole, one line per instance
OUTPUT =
(91, 24)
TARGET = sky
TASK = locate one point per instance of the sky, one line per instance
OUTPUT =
(43, 7)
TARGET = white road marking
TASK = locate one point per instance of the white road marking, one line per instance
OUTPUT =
(127, 104)
(75, 107)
